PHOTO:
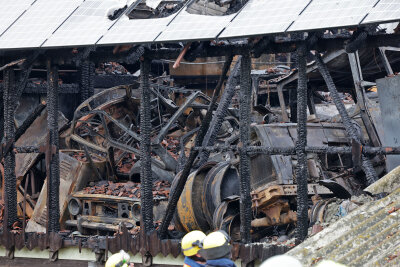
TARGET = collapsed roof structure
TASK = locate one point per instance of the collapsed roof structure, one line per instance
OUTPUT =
(131, 159)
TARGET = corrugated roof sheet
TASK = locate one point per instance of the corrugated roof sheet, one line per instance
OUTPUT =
(368, 236)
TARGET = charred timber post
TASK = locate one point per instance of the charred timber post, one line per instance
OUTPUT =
(87, 80)
(145, 149)
(52, 153)
(350, 127)
(223, 106)
(10, 192)
(244, 168)
(175, 195)
(302, 170)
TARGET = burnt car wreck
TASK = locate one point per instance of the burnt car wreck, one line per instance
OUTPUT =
(150, 119)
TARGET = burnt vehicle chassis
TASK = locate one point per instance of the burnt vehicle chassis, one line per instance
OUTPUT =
(149, 242)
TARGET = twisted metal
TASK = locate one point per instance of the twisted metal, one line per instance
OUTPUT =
(176, 193)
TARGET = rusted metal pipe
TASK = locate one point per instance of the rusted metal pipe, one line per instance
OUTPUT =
(145, 149)
(284, 218)
(301, 169)
(10, 186)
(244, 167)
(52, 153)
(181, 55)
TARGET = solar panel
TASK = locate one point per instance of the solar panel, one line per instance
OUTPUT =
(135, 30)
(38, 23)
(194, 27)
(11, 10)
(86, 25)
(385, 10)
(323, 14)
(264, 17)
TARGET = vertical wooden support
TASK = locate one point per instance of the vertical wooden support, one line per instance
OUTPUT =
(145, 149)
(245, 171)
(302, 170)
(10, 188)
(52, 151)
(87, 71)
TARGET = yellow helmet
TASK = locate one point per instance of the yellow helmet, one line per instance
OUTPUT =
(215, 239)
(216, 246)
(192, 243)
(118, 259)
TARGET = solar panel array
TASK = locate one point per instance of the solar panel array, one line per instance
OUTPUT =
(86, 25)
(61, 23)
(11, 10)
(264, 16)
(194, 27)
(322, 14)
(387, 9)
(38, 23)
(135, 31)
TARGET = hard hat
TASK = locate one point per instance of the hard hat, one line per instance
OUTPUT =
(192, 242)
(281, 261)
(215, 239)
(118, 259)
(216, 246)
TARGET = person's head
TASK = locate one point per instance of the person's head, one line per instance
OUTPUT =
(191, 244)
(216, 246)
(281, 261)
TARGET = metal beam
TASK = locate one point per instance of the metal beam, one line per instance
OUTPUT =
(365, 116)
(285, 116)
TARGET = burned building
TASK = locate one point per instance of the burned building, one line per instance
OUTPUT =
(126, 124)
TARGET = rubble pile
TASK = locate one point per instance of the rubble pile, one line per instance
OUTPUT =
(128, 189)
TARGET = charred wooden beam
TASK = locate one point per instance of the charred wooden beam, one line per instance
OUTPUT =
(222, 109)
(52, 151)
(287, 151)
(87, 73)
(145, 149)
(349, 125)
(176, 193)
(301, 169)
(10, 187)
(245, 168)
